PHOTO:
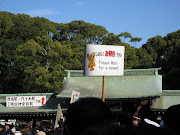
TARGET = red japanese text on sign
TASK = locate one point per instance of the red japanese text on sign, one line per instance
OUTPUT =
(110, 53)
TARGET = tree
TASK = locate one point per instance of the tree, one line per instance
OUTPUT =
(111, 39)
(81, 31)
(156, 48)
(21, 44)
(130, 58)
(40, 60)
(125, 35)
(170, 65)
(135, 40)
(171, 71)
(5, 23)
(35, 51)
(145, 59)
(8, 75)
(165, 52)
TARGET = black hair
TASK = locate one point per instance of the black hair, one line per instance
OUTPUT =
(171, 116)
(87, 112)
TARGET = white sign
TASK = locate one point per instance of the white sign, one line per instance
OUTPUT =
(104, 60)
(74, 97)
(24, 101)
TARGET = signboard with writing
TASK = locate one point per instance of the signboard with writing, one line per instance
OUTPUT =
(25, 101)
(104, 60)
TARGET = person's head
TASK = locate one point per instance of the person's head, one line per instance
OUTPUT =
(135, 121)
(28, 123)
(86, 112)
(7, 126)
(171, 117)
(49, 129)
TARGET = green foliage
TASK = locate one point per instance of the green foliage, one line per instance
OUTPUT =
(130, 58)
(81, 31)
(5, 23)
(135, 40)
(165, 52)
(125, 35)
(156, 48)
(39, 79)
(40, 59)
(35, 51)
(171, 64)
(145, 59)
(111, 39)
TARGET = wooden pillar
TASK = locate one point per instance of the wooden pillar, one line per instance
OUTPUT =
(103, 90)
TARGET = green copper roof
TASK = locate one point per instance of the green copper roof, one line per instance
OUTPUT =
(168, 98)
(135, 84)
(127, 72)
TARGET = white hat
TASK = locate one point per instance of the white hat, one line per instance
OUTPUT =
(136, 118)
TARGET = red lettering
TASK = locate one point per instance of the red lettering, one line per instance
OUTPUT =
(106, 53)
(110, 53)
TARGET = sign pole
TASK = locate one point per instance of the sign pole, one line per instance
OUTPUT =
(103, 90)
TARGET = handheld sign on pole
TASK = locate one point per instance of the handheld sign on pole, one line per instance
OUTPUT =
(104, 60)
(74, 97)
(59, 115)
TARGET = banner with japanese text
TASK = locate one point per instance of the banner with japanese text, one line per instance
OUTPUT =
(25, 101)
(104, 60)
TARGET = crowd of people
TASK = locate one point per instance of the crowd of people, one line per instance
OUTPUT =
(8, 129)
(91, 116)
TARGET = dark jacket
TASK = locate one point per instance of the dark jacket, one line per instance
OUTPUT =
(9, 132)
(2, 133)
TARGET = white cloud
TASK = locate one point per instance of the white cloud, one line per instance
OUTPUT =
(79, 3)
(41, 12)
